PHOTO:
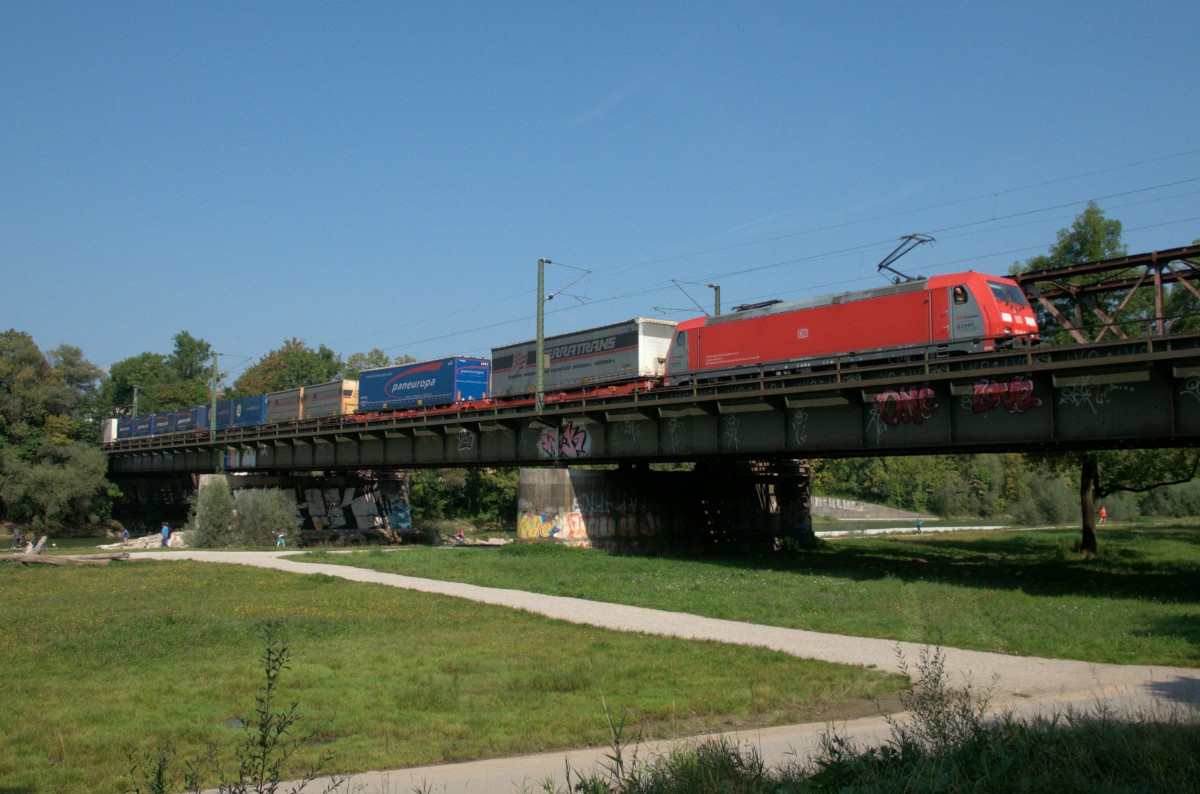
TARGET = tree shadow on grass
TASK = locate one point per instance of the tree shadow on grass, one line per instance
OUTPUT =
(1034, 563)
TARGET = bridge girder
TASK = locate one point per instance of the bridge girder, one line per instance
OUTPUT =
(1127, 393)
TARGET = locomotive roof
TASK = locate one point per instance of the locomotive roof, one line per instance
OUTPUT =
(834, 299)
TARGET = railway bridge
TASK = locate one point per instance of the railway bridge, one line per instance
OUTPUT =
(748, 437)
(1124, 393)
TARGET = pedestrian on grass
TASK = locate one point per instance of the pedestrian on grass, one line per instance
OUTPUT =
(166, 535)
(1103, 514)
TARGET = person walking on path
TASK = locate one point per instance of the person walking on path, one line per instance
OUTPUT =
(166, 535)
(1103, 514)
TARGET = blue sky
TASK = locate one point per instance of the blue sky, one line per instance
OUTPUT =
(388, 174)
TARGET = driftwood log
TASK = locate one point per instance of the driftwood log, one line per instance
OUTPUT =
(91, 559)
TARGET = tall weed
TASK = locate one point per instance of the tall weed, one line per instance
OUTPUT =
(945, 742)
(262, 757)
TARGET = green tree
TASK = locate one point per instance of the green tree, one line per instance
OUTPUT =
(161, 382)
(191, 359)
(142, 375)
(39, 391)
(287, 367)
(438, 493)
(49, 475)
(65, 486)
(1106, 472)
(1091, 238)
(491, 494)
(23, 408)
(372, 359)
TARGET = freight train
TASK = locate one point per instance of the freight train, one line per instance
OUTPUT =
(939, 316)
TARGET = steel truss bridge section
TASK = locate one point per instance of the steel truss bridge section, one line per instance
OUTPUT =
(1124, 393)
(1100, 300)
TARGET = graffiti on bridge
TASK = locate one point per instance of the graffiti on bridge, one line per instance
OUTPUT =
(1192, 388)
(800, 426)
(905, 405)
(1092, 396)
(592, 519)
(730, 429)
(571, 442)
(1015, 396)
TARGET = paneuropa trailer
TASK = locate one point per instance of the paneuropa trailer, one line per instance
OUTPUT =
(425, 384)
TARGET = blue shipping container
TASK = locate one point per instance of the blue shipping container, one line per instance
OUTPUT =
(250, 411)
(164, 423)
(190, 419)
(427, 384)
(143, 425)
(224, 414)
(124, 428)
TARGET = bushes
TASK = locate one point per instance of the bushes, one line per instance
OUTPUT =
(1048, 500)
(483, 496)
(63, 485)
(210, 519)
(946, 485)
(261, 514)
(251, 517)
(1175, 501)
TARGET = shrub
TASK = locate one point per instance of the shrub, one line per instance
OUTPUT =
(262, 514)
(1047, 500)
(211, 516)
(1175, 501)
(250, 517)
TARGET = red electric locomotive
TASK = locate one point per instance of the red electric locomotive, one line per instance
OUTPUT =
(945, 315)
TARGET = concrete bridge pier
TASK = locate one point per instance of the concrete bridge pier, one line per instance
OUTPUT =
(718, 507)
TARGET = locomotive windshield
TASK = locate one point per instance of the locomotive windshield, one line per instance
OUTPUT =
(1009, 293)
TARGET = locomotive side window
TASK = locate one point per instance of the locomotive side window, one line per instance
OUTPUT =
(960, 294)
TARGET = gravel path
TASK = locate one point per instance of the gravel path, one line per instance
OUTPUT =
(1021, 683)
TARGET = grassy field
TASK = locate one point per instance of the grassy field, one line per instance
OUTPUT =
(146, 655)
(1014, 592)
